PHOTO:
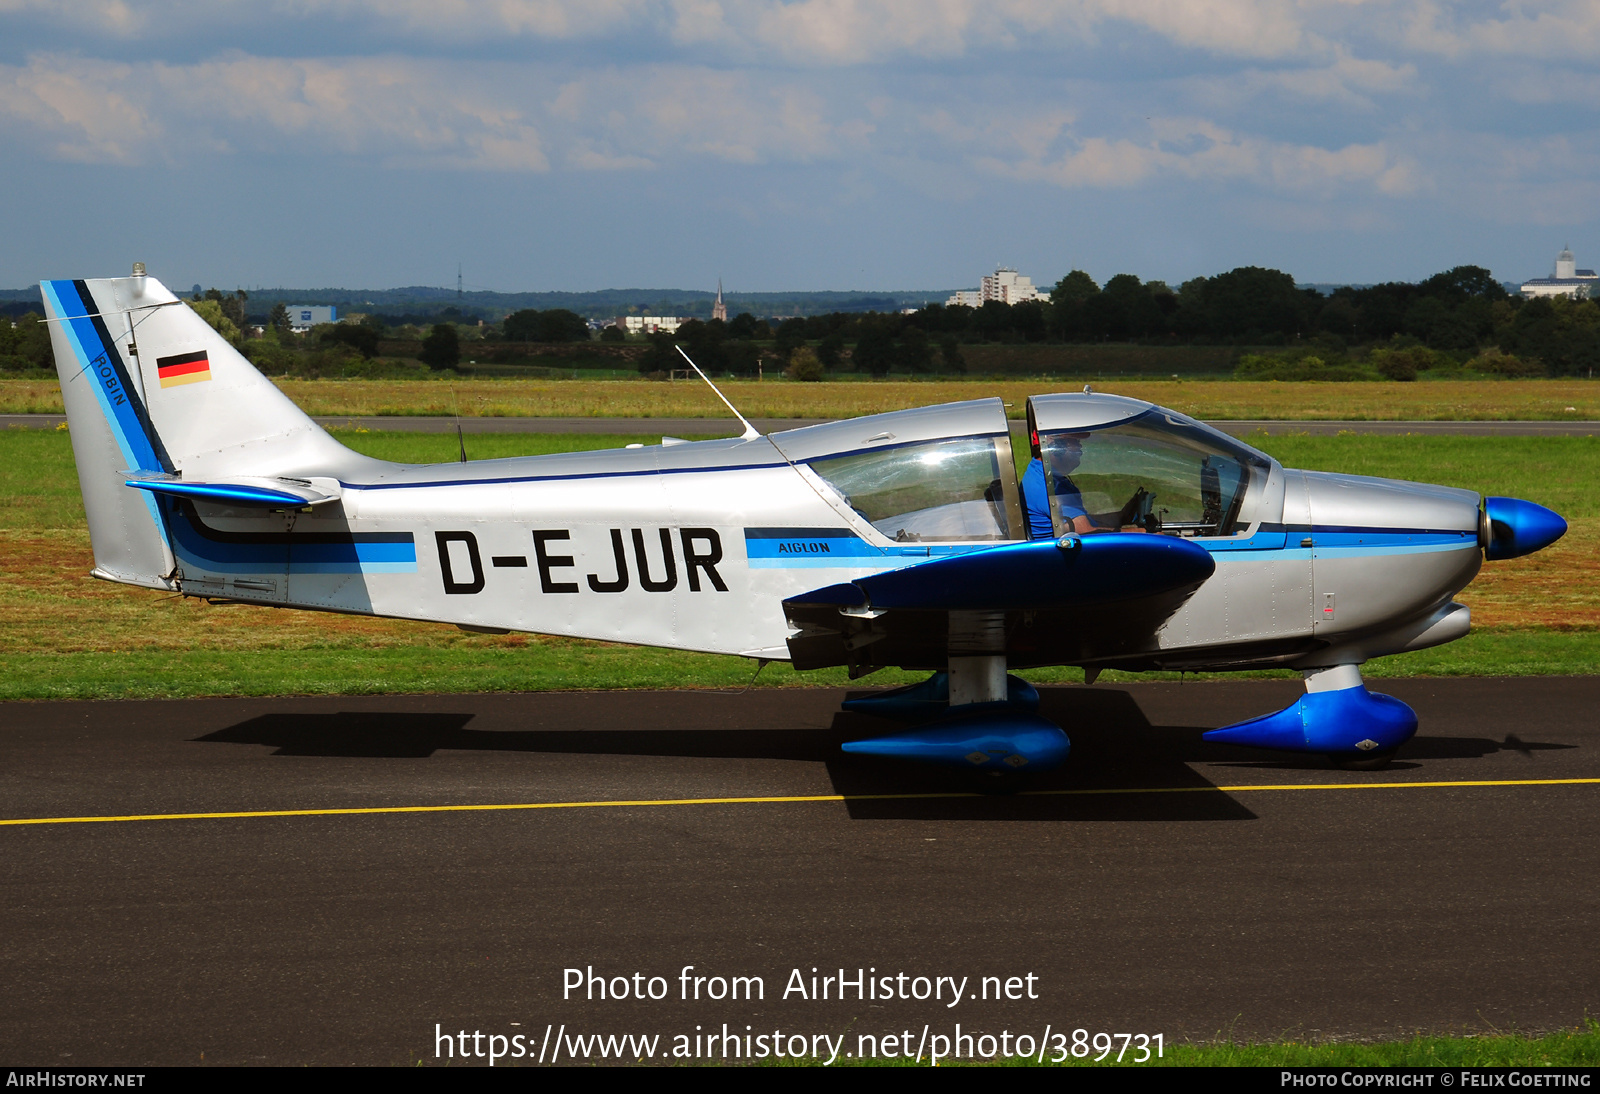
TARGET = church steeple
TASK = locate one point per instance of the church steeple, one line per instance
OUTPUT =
(719, 310)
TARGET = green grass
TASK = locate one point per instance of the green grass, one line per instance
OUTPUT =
(1578, 1047)
(1560, 472)
(72, 637)
(474, 666)
(1575, 1048)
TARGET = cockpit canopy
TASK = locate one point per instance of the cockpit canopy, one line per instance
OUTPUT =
(941, 473)
(937, 490)
(1102, 463)
(1114, 464)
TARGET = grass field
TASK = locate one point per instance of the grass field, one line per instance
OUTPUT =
(1543, 400)
(68, 635)
(1569, 1048)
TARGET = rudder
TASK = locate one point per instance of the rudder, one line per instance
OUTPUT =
(111, 435)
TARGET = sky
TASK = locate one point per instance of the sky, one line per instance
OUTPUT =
(793, 144)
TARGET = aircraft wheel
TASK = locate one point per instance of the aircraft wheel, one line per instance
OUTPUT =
(1362, 761)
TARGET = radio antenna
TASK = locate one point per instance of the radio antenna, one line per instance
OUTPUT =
(750, 431)
(456, 407)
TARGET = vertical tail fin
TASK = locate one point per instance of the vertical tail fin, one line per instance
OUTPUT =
(150, 387)
(215, 414)
(111, 435)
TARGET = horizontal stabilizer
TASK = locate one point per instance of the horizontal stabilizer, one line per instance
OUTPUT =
(253, 493)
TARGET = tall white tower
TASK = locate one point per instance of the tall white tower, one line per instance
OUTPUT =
(1566, 265)
(719, 310)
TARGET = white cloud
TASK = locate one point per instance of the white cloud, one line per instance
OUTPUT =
(861, 31)
(1200, 150)
(585, 155)
(1545, 180)
(1346, 81)
(1546, 85)
(664, 112)
(1548, 29)
(81, 108)
(854, 32)
(1245, 28)
(829, 32)
(420, 113)
(381, 107)
(475, 19)
(115, 18)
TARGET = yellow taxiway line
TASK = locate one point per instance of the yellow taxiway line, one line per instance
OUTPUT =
(780, 800)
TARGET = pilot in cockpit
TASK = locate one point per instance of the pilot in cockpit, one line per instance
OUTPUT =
(1041, 493)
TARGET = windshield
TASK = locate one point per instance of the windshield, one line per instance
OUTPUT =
(1156, 473)
(949, 489)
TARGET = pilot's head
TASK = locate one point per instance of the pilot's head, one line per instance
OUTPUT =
(1064, 452)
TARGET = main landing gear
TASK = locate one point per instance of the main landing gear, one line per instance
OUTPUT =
(974, 717)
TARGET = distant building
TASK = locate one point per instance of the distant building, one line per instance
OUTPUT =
(1567, 280)
(1008, 287)
(719, 310)
(302, 317)
(647, 324)
(1005, 285)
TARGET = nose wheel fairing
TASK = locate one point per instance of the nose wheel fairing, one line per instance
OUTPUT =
(1337, 716)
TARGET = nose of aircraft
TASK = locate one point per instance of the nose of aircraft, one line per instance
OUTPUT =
(1517, 527)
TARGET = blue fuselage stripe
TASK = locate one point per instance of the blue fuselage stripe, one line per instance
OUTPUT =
(287, 552)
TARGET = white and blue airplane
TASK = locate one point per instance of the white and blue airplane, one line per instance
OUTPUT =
(1139, 539)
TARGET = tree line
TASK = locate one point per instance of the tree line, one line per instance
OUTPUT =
(1457, 317)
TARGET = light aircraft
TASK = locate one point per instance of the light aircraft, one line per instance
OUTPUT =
(895, 539)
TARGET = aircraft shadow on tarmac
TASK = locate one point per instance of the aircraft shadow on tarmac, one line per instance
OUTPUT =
(1418, 748)
(1114, 747)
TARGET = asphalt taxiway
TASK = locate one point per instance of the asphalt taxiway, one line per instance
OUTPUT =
(334, 880)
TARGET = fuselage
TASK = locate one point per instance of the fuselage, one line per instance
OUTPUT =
(696, 545)
(1138, 538)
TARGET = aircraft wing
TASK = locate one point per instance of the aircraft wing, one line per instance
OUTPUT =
(1081, 598)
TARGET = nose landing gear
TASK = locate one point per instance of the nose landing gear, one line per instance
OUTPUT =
(1337, 716)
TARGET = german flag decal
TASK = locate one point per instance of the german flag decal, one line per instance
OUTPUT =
(186, 368)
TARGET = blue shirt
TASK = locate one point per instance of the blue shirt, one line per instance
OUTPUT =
(1036, 501)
